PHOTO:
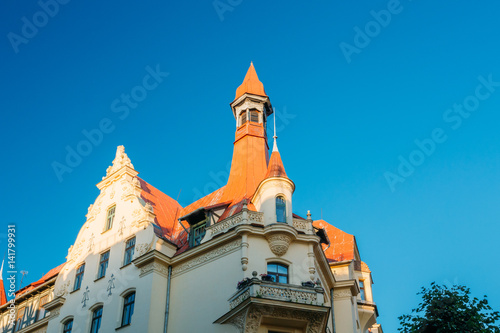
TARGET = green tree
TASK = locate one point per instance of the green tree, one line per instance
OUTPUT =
(444, 310)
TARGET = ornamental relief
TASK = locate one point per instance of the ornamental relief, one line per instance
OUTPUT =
(63, 289)
(279, 243)
(342, 293)
(206, 257)
(315, 320)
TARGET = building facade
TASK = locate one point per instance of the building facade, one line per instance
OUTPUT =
(236, 260)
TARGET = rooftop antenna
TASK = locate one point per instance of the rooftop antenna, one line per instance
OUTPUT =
(22, 277)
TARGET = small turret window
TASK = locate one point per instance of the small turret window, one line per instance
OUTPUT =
(254, 116)
(279, 272)
(280, 209)
(243, 117)
(109, 218)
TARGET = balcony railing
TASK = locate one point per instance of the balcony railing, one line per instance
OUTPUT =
(277, 291)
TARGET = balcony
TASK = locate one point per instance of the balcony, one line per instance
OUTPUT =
(256, 299)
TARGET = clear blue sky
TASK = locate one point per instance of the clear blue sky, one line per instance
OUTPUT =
(346, 123)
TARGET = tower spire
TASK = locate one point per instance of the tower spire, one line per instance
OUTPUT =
(275, 145)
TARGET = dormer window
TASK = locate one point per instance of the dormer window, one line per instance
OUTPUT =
(197, 233)
(280, 209)
(254, 116)
(243, 117)
(197, 226)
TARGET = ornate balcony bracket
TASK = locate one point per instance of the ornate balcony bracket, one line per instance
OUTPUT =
(302, 305)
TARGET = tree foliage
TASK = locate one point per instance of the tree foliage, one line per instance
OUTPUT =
(444, 310)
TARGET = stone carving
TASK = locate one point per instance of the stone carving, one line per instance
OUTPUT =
(204, 258)
(136, 213)
(239, 320)
(112, 194)
(238, 300)
(63, 289)
(121, 227)
(342, 293)
(111, 285)
(300, 224)
(85, 297)
(121, 160)
(136, 182)
(142, 249)
(315, 320)
(289, 294)
(91, 242)
(154, 266)
(256, 216)
(279, 243)
(149, 207)
(77, 249)
(225, 225)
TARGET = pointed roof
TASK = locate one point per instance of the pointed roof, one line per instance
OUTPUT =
(3, 295)
(275, 168)
(251, 84)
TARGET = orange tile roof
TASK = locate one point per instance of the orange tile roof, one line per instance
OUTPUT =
(166, 209)
(251, 84)
(342, 245)
(49, 275)
(275, 168)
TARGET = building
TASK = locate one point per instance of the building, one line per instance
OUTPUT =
(236, 260)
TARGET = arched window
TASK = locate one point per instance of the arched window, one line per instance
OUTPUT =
(68, 326)
(128, 308)
(243, 117)
(254, 116)
(280, 209)
(96, 320)
(279, 272)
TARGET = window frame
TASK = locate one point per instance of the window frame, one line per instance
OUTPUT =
(41, 309)
(127, 249)
(79, 276)
(276, 275)
(193, 237)
(362, 289)
(283, 205)
(65, 324)
(243, 117)
(101, 271)
(128, 305)
(96, 318)
(254, 113)
(20, 320)
(110, 217)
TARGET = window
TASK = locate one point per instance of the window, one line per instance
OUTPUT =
(129, 251)
(20, 318)
(68, 326)
(128, 309)
(41, 309)
(79, 276)
(197, 233)
(109, 218)
(280, 209)
(243, 117)
(254, 116)
(362, 290)
(279, 272)
(96, 320)
(103, 264)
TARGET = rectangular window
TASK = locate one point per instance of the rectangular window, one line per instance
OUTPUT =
(79, 276)
(96, 320)
(362, 290)
(109, 218)
(254, 116)
(103, 264)
(197, 233)
(41, 310)
(128, 309)
(129, 251)
(20, 318)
